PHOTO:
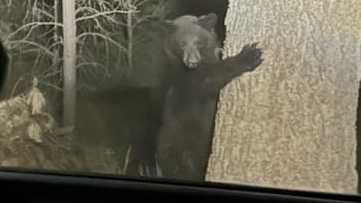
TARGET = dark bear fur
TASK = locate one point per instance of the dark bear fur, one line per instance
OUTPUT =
(185, 139)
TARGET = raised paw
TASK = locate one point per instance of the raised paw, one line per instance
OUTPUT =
(250, 56)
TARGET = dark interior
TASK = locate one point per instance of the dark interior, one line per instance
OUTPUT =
(44, 187)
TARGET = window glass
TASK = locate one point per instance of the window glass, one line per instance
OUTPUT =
(239, 92)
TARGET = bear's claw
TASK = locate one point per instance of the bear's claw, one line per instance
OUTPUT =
(251, 56)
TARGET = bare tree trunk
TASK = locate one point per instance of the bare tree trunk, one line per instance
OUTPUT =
(69, 31)
(291, 123)
(130, 35)
(56, 30)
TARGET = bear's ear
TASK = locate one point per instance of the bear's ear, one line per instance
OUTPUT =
(208, 21)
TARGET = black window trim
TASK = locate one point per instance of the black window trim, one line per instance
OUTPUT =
(48, 184)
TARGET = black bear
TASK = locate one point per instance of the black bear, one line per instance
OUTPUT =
(185, 137)
(166, 116)
(3, 65)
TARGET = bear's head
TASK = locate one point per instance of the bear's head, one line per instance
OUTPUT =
(193, 40)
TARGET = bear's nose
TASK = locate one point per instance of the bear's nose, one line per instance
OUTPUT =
(191, 58)
(192, 62)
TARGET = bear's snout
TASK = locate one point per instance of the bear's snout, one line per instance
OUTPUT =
(191, 57)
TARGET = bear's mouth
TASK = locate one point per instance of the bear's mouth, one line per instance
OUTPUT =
(191, 57)
(191, 65)
(191, 61)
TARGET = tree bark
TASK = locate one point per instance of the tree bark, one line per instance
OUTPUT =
(69, 31)
(291, 123)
